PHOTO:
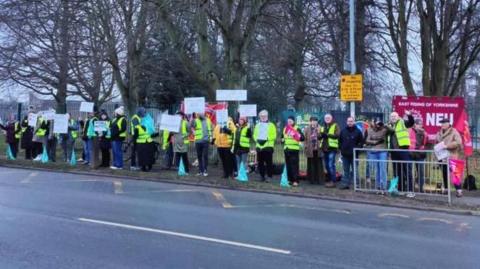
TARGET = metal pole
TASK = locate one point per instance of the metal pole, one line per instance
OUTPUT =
(353, 67)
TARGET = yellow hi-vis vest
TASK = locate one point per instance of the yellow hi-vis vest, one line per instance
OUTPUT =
(401, 132)
(18, 131)
(73, 134)
(185, 132)
(271, 136)
(332, 142)
(166, 134)
(199, 129)
(244, 140)
(132, 128)
(291, 143)
(118, 122)
(41, 131)
(143, 136)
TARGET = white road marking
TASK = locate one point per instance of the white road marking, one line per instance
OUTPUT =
(436, 219)
(189, 236)
(343, 211)
(383, 215)
(117, 187)
(29, 177)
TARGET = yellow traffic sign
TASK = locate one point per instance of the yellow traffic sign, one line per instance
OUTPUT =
(351, 88)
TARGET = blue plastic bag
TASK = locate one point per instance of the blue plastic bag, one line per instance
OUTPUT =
(44, 155)
(284, 179)
(242, 173)
(393, 189)
(73, 159)
(181, 169)
(149, 124)
(9, 153)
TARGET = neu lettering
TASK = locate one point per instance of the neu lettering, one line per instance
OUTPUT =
(433, 119)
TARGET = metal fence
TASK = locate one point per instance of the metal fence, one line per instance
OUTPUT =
(374, 171)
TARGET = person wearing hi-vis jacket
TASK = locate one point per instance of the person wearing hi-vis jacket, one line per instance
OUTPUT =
(203, 136)
(291, 137)
(264, 135)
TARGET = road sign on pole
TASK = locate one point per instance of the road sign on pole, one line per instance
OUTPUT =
(351, 88)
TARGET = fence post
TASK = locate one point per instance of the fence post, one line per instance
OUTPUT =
(19, 112)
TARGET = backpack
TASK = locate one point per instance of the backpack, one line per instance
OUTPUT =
(469, 183)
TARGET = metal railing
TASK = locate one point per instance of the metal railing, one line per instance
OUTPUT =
(375, 169)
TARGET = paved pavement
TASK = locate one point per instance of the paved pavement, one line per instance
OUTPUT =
(56, 220)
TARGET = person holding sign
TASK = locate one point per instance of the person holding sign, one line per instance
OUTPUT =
(203, 136)
(68, 140)
(89, 136)
(27, 136)
(449, 138)
(223, 138)
(291, 137)
(330, 135)
(40, 137)
(265, 135)
(144, 143)
(181, 143)
(104, 139)
(241, 142)
(14, 132)
(134, 122)
(400, 139)
(118, 132)
(313, 152)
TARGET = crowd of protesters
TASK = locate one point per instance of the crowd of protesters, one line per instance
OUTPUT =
(235, 140)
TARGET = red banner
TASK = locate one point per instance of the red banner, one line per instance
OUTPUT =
(467, 141)
(456, 171)
(431, 110)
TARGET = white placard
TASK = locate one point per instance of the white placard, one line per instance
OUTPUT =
(32, 120)
(86, 107)
(100, 126)
(48, 114)
(222, 117)
(60, 123)
(194, 105)
(231, 95)
(247, 110)
(441, 151)
(262, 131)
(170, 123)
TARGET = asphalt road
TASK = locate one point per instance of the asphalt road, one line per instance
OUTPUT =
(56, 220)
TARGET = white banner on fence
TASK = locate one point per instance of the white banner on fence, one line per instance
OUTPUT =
(86, 107)
(194, 105)
(231, 95)
(222, 116)
(170, 123)
(32, 120)
(60, 124)
(100, 126)
(247, 110)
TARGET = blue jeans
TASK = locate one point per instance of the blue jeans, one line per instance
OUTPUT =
(117, 154)
(377, 161)
(88, 150)
(202, 156)
(347, 163)
(420, 167)
(241, 158)
(330, 163)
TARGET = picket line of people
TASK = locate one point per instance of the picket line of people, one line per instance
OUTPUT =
(234, 141)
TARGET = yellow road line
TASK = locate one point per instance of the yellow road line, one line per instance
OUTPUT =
(219, 197)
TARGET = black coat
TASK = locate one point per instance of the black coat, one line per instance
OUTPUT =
(27, 136)
(350, 138)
